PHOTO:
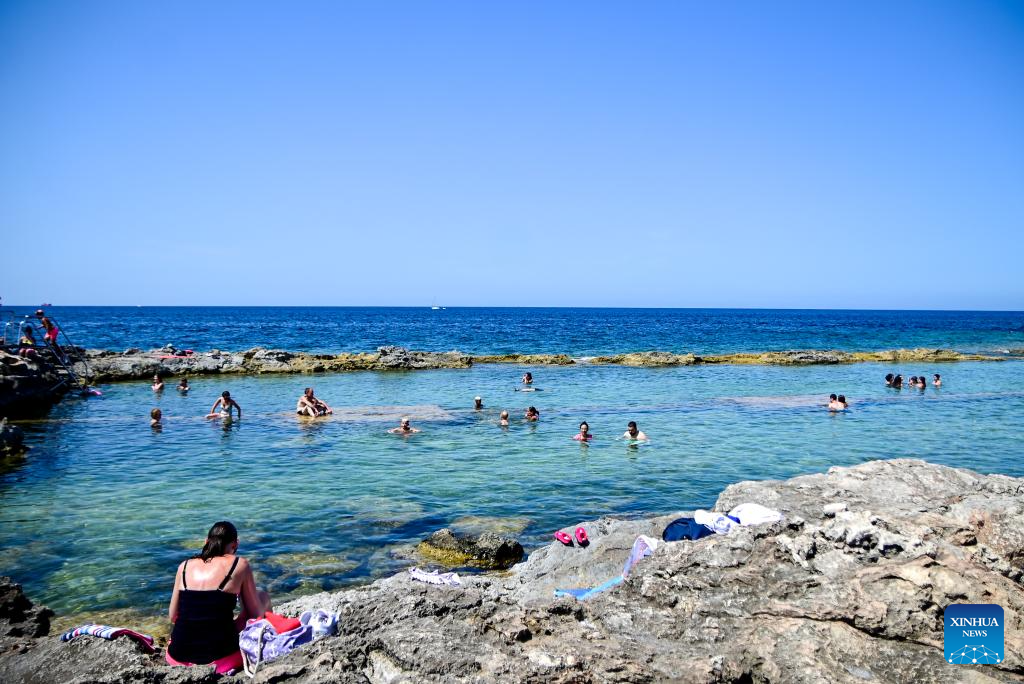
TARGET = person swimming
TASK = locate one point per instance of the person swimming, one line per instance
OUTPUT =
(897, 382)
(584, 433)
(154, 418)
(532, 414)
(309, 405)
(205, 629)
(183, 386)
(842, 400)
(503, 419)
(834, 404)
(888, 379)
(404, 428)
(936, 380)
(528, 378)
(158, 384)
(478, 403)
(224, 403)
(633, 432)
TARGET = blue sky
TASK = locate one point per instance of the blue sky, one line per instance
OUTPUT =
(848, 155)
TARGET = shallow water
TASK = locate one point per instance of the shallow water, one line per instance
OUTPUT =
(578, 332)
(104, 508)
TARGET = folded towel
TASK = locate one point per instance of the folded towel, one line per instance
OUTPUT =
(109, 633)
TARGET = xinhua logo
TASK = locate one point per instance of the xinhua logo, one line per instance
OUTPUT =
(973, 634)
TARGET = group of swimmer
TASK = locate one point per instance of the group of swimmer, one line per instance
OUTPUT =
(917, 382)
(310, 405)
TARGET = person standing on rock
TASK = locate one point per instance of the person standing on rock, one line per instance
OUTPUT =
(51, 330)
(224, 403)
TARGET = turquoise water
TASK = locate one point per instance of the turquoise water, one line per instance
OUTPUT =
(104, 507)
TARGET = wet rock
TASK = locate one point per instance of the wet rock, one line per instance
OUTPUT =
(527, 359)
(651, 359)
(487, 550)
(12, 440)
(28, 386)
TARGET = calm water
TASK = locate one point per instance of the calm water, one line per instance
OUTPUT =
(104, 508)
(580, 332)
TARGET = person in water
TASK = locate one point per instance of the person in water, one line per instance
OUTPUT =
(842, 400)
(584, 434)
(528, 378)
(888, 379)
(154, 418)
(532, 414)
(478, 403)
(158, 384)
(503, 419)
(183, 386)
(897, 382)
(202, 610)
(633, 432)
(309, 405)
(222, 407)
(404, 428)
(937, 380)
(836, 403)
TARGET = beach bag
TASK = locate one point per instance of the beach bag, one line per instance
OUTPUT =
(261, 643)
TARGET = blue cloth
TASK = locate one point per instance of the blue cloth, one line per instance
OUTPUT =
(583, 594)
(685, 528)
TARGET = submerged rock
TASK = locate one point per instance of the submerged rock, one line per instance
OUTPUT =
(848, 594)
(488, 551)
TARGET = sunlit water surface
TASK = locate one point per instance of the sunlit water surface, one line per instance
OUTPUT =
(104, 507)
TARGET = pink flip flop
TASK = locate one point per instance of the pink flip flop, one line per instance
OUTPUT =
(564, 538)
(581, 536)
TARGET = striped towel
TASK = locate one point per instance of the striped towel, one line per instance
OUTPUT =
(109, 633)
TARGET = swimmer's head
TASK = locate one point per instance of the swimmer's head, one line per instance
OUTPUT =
(936, 376)
(584, 427)
(225, 394)
(155, 414)
(888, 377)
(831, 397)
(504, 415)
(532, 411)
(404, 422)
(842, 398)
(156, 378)
(631, 427)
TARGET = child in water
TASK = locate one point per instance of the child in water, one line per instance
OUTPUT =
(154, 419)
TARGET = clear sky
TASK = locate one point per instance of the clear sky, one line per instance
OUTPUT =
(761, 154)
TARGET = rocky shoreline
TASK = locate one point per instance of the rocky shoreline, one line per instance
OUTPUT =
(135, 364)
(849, 587)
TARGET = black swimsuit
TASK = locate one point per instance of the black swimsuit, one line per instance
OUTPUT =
(205, 628)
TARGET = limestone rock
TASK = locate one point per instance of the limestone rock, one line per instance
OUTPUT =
(487, 550)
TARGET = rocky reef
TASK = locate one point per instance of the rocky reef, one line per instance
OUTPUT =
(135, 364)
(28, 386)
(849, 587)
(487, 551)
(800, 357)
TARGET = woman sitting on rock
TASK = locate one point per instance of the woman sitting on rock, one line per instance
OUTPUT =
(203, 603)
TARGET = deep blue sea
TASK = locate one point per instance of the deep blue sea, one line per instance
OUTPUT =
(95, 520)
(578, 332)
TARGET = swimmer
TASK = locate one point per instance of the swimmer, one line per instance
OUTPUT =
(225, 403)
(528, 378)
(888, 379)
(842, 400)
(183, 386)
(897, 382)
(503, 419)
(913, 381)
(309, 405)
(584, 435)
(154, 418)
(478, 403)
(937, 380)
(836, 403)
(633, 432)
(158, 384)
(832, 399)
(921, 382)
(403, 428)
(532, 414)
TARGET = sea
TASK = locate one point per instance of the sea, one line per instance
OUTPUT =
(94, 521)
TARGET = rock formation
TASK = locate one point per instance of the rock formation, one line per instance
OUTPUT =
(28, 386)
(849, 587)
